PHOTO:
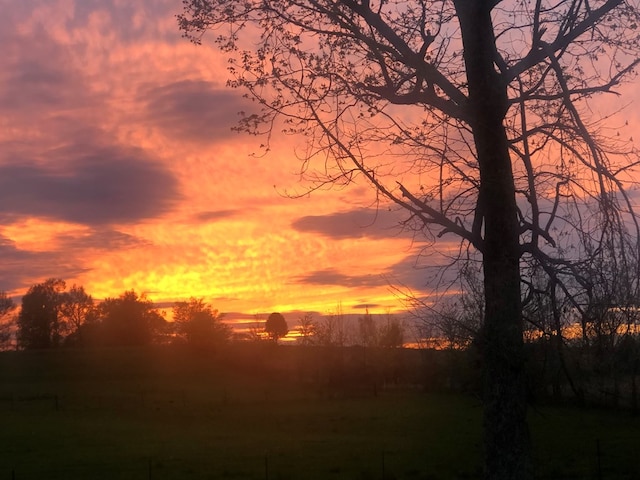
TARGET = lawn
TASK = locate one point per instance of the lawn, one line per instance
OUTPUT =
(164, 414)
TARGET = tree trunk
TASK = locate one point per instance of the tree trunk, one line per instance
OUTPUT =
(634, 388)
(506, 436)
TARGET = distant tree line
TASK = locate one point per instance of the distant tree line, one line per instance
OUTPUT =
(333, 330)
(50, 316)
(587, 351)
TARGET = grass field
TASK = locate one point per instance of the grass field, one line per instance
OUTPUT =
(167, 414)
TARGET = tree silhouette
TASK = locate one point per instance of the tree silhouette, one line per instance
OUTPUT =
(76, 308)
(129, 320)
(474, 117)
(391, 333)
(276, 326)
(306, 329)
(7, 306)
(198, 324)
(38, 320)
(368, 330)
(331, 330)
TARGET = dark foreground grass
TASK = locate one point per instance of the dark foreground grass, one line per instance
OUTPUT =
(165, 414)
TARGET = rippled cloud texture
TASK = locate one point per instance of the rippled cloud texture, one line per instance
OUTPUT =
(119, 170)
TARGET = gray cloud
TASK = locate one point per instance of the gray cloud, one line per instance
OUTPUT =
(412, 273)
(87, 184)
(133, 21)
(331, 276)
(360, 223)
(407, 273)
(101, 239)
(34, 83)
(23, 268)
(40, 79)
(365, 223)
(58, 163)
(214, 215)
(46, 97)
(129, 21)
(41, 265)
(194, 110)
(364, 306)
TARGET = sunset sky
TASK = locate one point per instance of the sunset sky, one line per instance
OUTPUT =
(119, 171)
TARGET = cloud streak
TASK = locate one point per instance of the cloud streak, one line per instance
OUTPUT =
(41, 265)
(87, 184)
(65, 256)
(357, 223)
(407, 272)
(194, 110)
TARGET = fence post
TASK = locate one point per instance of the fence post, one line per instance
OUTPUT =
(598, 456)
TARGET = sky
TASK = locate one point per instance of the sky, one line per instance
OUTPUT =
(119, 170)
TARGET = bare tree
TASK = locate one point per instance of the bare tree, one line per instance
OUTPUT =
(367, 330)
(199, 325)
(331, 330)
(472, 115)
(391, 332)
(451, 321)
(38, 322)
(306, 329)
(609, 312)
(254, 332)
(76, 308)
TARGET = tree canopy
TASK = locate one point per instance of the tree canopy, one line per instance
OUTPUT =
(198, 324)
(130, 320)
(38, 322)
(276, 326)
(76, 309)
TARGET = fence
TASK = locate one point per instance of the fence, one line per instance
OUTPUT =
(266, 468)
